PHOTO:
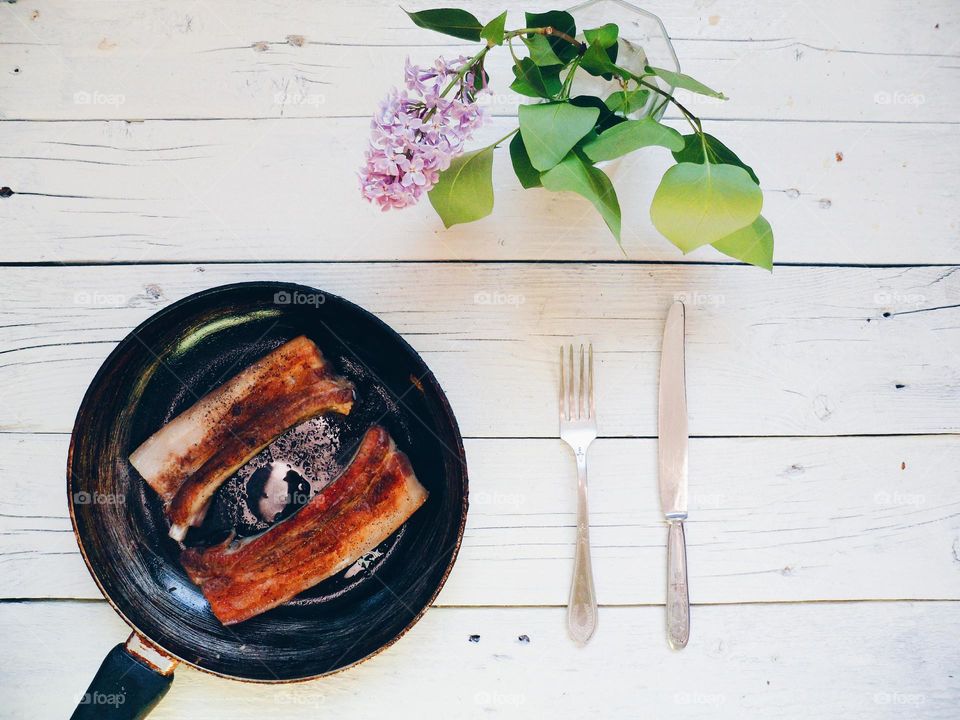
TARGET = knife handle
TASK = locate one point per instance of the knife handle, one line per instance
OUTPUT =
(678, 598)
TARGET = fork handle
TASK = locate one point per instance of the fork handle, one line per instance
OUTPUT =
(582, 607)
(678, 598)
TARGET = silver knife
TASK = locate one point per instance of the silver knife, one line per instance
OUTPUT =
(672, 450)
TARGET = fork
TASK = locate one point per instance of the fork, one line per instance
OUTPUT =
(578, 428)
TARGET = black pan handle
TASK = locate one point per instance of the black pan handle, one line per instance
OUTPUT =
(131, 680)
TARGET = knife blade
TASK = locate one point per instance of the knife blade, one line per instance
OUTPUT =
(672, 419)
(672, 455)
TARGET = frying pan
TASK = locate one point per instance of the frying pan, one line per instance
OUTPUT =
(159, 370)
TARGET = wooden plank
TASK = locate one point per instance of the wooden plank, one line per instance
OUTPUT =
(891, 26)
(863, 660)
(806, 351)
(180, 60)
(772, 519)
(286, 190)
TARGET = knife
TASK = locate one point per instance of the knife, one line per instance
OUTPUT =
(672, 451)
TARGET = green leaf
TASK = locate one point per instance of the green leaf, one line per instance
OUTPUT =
(719, 153)
(558, 20)
(679, 80)
(586, 139)
(449, 21)
(606, 119)
(596, 62)
(550, 130)
(534, 81)
(493, 31)
(605, 36)
(601, 55)
(626, 102)
(575, 175)
(540, 51)
(631, 135)
(752, 244)
(464, 192)
(526, 173)
(699, 204)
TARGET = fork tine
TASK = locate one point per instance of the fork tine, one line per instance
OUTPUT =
(570, 394)
(563, 414)
(593, 407)
(581, 389)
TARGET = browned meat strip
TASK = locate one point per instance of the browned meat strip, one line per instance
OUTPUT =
(370, 500)
(190, 457)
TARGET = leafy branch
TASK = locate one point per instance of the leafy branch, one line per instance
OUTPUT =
(709, 197)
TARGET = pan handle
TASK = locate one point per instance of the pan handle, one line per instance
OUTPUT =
(132, 679)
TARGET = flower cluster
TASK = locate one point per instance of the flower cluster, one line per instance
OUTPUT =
(417, 131)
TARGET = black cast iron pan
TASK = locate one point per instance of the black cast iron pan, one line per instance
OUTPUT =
(159, 370)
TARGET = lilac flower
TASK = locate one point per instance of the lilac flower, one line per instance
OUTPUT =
(416, 132)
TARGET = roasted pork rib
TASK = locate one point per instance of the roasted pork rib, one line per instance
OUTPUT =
(187, 459)
(366, 504)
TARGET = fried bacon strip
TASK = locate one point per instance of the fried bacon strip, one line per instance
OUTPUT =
(370, 500)
(187, 459)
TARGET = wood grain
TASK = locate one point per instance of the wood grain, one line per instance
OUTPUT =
(183, 60)
(775, 519)
(745, 661)
(848, 113)
(286, 190)
(805, 351)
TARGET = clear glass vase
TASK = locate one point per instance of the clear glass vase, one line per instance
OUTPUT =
(643, 41)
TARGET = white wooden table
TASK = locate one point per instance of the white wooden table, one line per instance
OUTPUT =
(155, 149)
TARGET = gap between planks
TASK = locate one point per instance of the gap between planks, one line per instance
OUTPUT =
(457, 261)
(703, 118)
(554, 606)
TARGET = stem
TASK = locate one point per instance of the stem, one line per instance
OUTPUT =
(691, 118)
(464, 70)
(513, 54)
(638, 79)
(459, 76)
(568, 80)
(509, 134)
(659, 106)
(549, 32)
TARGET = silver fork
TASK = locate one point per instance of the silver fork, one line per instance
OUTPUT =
(578, 428)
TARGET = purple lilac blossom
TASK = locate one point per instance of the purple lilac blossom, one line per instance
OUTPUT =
(415, 133)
